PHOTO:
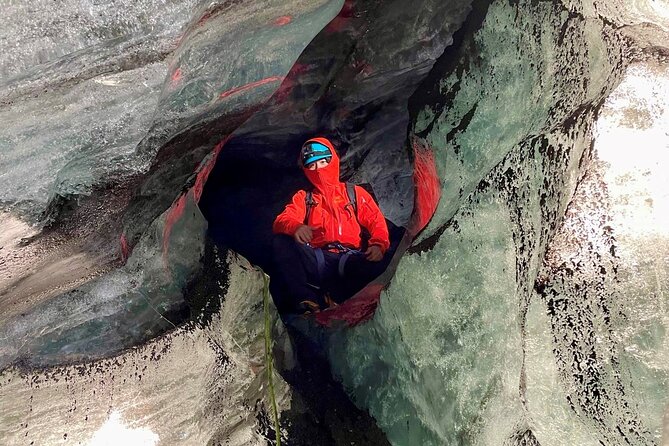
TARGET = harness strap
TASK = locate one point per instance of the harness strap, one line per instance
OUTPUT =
(309, 201)
(320, 264)
(341, 248)
(342, 262)
(352, 201)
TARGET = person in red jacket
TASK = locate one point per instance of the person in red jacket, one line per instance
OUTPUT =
(320, 256)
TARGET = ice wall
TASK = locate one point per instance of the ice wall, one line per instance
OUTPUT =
(90, 93)
(79, 88)
(473, 342)
(124, 147)
(507, 321)
(604, 278)
(193, 386)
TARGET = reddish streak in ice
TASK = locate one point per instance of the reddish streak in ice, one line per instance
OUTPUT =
(366, 70)
(125, 251)
(357, 309)
(362, 67)
(427, 187)
(290, 81)
(173, 215)
(205, 169)
(342, 19)
(232, 91)
(179, 39)
(362, 305)
(176, 77)
(206, 16)
(177, 209)
(283, 20)
(298, 68)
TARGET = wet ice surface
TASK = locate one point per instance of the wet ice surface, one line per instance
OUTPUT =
(508, 134)
(462, 336)
(79, 88)
(63, 143)
(112, 312)
(633, 146)
(190, 387)
(43, 32)
(93, 106)
(467, 347)
(91, 135)
(606, 278)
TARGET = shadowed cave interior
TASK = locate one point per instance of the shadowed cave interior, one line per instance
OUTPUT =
(251, 183)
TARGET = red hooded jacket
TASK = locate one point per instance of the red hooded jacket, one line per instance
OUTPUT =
(330, 218)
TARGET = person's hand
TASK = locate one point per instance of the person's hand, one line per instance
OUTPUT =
(373, 253)
(303, 234)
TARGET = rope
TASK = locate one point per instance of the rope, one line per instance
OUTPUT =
(269, 359)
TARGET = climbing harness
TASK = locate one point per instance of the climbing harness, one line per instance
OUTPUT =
(334, 247)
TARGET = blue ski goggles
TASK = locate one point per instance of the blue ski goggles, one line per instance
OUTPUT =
(314, 151)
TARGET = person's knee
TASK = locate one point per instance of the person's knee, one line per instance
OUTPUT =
(360, 269)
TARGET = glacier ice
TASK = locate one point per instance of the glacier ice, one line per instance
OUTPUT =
(530, 310)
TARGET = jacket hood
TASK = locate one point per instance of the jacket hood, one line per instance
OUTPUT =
(326, 177)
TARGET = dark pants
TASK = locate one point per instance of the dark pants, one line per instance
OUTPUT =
(299, 275)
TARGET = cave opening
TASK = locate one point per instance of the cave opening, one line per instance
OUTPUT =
(254, 177)
(352, 86)
(341, 87)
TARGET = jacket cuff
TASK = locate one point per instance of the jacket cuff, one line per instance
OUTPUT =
(292, 227)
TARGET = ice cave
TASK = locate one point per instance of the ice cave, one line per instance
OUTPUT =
(515, 147)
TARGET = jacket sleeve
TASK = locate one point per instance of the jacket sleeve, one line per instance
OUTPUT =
(370, 216)
(292, 216)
